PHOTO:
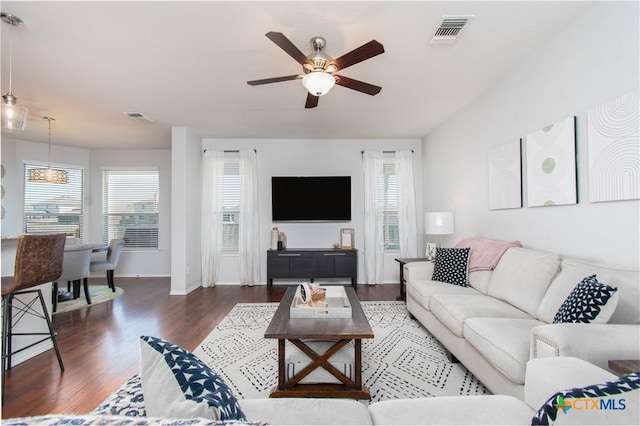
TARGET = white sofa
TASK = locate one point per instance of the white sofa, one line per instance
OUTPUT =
(504, 317)
(545, 377)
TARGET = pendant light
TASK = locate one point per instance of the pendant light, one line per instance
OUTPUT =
(14, 115)
(48, 175)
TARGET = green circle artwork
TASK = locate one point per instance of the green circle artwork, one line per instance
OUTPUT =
(548, 165)
(549, 203)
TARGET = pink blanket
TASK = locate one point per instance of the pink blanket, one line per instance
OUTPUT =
(485, 253)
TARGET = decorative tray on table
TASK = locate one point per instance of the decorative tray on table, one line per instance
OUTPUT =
(311, 301)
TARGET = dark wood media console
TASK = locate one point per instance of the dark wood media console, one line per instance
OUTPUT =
(311, 264)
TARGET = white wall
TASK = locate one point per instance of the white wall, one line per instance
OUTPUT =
(186, 163)
(592, 61)
(314, 158)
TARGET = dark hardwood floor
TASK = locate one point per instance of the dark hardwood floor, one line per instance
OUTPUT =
(99, 344)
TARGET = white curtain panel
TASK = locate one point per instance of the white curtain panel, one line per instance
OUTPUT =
(407, 223)
(373, 218)
(249, 229)
(212, 179)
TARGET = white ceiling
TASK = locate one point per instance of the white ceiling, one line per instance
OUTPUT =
(187, 63)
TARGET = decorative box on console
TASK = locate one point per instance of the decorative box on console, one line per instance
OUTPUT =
(335, 305)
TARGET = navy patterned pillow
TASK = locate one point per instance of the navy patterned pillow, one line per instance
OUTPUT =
(177, 384)
(590, 301)
(564, 401)
(451, 265)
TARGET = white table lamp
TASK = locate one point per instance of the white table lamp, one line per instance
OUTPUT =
(437, 223)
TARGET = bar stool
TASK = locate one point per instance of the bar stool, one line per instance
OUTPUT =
(38, 261)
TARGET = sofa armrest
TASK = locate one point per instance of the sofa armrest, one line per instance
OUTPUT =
(418, 271)
(546, 376)
(596, 343)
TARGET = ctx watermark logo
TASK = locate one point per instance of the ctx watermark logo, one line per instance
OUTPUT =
(586, 404)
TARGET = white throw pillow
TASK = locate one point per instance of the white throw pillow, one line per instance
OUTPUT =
(178, 385)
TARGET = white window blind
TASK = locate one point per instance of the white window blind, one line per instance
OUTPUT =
(130, 207)
(231, 204)
(389, 204)
(51, 207)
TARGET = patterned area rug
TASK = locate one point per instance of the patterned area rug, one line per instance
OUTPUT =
(403, 360)
(99, 294)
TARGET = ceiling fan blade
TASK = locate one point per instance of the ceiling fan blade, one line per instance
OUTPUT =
(312, 101)
(273, 80)
(358, 85)
(285, 44)
(362, 53)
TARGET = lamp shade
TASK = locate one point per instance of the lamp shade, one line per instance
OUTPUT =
(14, 115)
(438, 223)
(318, 83)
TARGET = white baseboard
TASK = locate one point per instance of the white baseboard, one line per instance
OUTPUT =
(31, 352)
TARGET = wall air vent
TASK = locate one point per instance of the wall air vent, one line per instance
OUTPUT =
(138, 116)
(450, 28)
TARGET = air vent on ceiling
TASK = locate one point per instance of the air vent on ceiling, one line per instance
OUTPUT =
(138, 116)
(450, 28)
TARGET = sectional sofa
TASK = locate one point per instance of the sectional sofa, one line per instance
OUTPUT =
(504, 316)
(547, 380)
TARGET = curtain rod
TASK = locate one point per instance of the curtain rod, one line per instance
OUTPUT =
(234, 150)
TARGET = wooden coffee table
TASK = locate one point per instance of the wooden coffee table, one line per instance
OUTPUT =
(296, 330)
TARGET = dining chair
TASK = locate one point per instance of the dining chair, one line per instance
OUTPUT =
(75, 268)
(38, 261)
(110, 262)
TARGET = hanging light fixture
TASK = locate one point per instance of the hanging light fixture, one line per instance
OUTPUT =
(318, 83)
(14, 115)
(318, 79)
(48, 175)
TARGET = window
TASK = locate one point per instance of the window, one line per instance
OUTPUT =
(389, 204)
(52, 207)
(130, 207)
(230, 204)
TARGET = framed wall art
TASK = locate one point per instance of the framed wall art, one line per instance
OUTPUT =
(347, 238)
(551, 165)
(613, 132)
(505, 176)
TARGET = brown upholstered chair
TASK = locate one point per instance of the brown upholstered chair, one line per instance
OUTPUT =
(38, 261)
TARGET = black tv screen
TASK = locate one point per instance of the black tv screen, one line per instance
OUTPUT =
(311, 198)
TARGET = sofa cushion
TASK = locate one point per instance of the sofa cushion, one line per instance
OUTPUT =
(422, 290)
(480, 280)
(590, 301)
(454, 309)
(503, 342)
(522, 277)
(176, 384)
(452, 265)
(612, 402)
(572, 271)
(452, 410)
(307, 411)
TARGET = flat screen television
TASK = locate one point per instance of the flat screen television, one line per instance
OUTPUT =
(311, 198)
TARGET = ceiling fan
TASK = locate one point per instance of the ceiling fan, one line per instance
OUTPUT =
(320, 69)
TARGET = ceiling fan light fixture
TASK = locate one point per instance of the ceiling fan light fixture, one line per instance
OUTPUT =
(318, 83)
(14, 115)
